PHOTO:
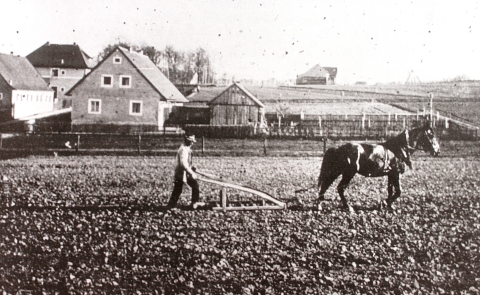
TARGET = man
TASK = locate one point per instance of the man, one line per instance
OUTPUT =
(185, 172)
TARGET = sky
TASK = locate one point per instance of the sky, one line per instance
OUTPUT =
(371, 41)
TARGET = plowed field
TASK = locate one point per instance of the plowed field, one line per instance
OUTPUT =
(96, 225)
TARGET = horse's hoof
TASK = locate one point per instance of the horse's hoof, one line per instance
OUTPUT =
(382, 205)
(349, 209)
(299, 202)
(390, 207)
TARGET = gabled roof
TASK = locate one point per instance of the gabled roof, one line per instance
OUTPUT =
(148, 70)
(61, 56)
(154, 75)
(258, 102)
(331, 71)
(316, 71)
(21, 73)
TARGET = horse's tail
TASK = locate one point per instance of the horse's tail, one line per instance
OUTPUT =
(328, 165)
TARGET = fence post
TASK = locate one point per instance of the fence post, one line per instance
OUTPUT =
(78, 143)
(223, 197)
(139, 143)
(203, 144)
(265, 146)
(325, 144)
(1, 140)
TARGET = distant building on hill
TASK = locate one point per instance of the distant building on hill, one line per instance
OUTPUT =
(126, 92)
(23, 92)
(318, 75)
(61, 66)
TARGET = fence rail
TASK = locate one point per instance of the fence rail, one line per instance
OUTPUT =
(368, 127)
(373, 127)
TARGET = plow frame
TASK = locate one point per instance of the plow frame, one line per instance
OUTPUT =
(225, 205)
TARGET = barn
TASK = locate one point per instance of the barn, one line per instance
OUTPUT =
(318, 75)
(236, 106)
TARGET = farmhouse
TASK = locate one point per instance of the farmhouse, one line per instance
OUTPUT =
(318, 75)
(61, 66)
(236, 106)
(23, 92)
(125, 92)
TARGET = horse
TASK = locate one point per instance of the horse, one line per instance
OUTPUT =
(375, 160)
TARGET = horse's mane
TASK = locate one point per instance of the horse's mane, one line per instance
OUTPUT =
(399, 146)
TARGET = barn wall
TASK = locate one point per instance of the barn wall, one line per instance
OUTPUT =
(312, 81)
(234, 107)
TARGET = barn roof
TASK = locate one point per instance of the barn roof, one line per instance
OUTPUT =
(331, 71)
(316, 71)
(61, 56)
(241, 87)
(21, 73)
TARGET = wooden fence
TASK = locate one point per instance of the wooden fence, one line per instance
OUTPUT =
(366, 127)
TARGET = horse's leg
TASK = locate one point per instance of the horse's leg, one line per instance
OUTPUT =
(342, 186)
(390, 189)
(324, 183)
(393, 184)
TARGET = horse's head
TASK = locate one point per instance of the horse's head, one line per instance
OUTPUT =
(426, 140)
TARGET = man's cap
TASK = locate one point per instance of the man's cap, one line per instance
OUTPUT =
(190, 138)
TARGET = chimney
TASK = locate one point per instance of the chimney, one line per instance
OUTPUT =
(130, 49)
(11, 52)
(10, 82)
(141, 52)
(48, 43)
(74, 43)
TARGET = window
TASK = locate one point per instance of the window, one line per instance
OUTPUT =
(94, 106)
(54, 72)
(62, 89)
(136, 108)
(55, 90)
(125, 81)
(117, 60)
(62, 72)
(107, 80)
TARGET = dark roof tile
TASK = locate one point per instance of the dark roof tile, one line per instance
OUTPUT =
(61, 56)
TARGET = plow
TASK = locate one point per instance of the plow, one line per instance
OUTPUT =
(264, 200)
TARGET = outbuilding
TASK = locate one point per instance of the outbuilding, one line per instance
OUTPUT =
(318, 75)
(236, 106)
(23, 92)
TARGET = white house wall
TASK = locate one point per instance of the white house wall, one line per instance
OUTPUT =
(27, 103)
(164, 110)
